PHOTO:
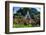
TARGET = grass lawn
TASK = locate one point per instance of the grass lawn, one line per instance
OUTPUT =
(21, 25)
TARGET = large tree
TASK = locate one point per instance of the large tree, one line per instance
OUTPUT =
(34, 13)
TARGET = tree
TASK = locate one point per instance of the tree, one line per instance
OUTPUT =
(34, 14)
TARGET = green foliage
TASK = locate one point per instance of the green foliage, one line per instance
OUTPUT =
(34, 14)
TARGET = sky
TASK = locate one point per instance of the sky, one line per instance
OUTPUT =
(15, 9)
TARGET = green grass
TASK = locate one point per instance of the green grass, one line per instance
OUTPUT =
(21, 25)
